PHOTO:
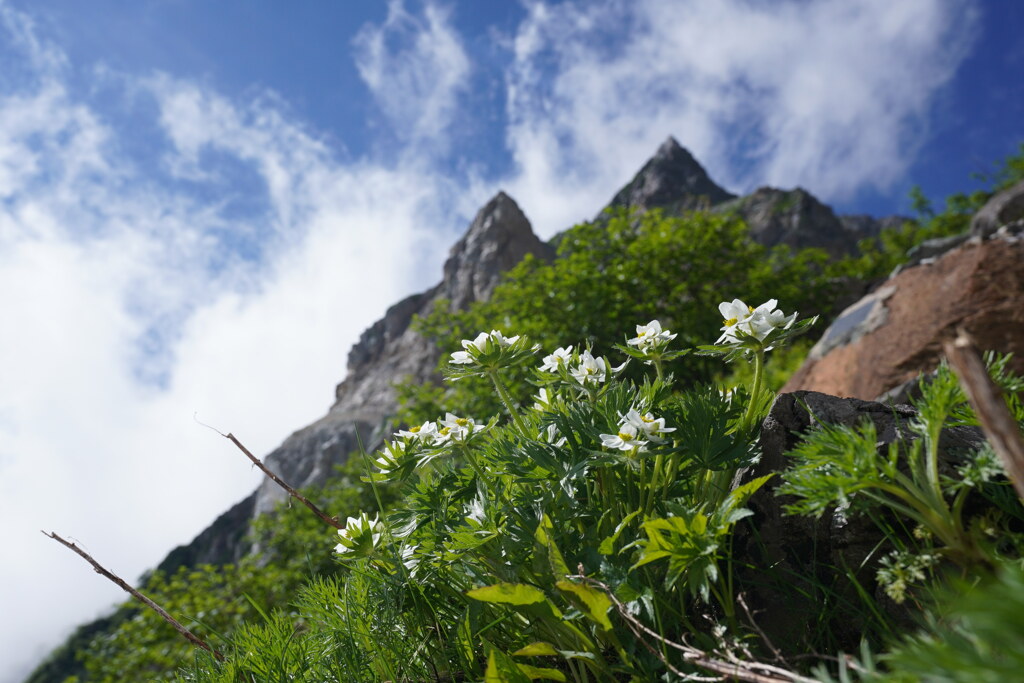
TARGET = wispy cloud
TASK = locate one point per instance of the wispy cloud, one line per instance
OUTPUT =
(831, 95)
(415, 68)
(136, 295)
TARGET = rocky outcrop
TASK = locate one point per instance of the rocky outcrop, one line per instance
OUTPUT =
(673, 181)
(390, 351)
(1004, 208)
(787, 604)
(893, 334)
(797, 219)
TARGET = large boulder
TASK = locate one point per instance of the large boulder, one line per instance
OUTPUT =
(795, 569)
(894, 333)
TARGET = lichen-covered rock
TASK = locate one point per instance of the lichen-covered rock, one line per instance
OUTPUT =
(895, 333)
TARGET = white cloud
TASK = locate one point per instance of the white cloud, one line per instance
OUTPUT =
(132, 302)
(415, 68)
(834, 96)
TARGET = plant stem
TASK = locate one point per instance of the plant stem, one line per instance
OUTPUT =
(507, 400)
(755, 391)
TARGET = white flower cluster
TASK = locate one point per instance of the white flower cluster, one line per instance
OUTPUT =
(588, 369)
(636, 430)
(360, 536)
(758, 322)
(483, 342)
(450, 429)
(650, 336)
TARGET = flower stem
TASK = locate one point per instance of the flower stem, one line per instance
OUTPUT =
(755, 391)
(507, 400)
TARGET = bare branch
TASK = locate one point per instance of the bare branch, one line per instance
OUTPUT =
(987, 401)
(743, 670)
(276, 479)
(191, 637)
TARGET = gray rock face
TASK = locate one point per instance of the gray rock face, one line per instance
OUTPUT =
(794, 218)
(1004, 208)
(386, 353)
(389, 351)
(672, 180)
(826, 548)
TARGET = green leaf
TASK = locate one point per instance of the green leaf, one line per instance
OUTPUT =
(501, 669)
(508, 594)
(595, 603)
(547, 550)
(534, 673)
(607, 546)
(538, 649)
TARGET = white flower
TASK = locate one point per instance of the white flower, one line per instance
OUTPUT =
(557, 359)
(455, 428)
(766, 318)
(425, 432)
(551, 436)
(649, 335)
(543, 399)
(646, 424)
(590, 369)
(757, 322)
(475, 510)
(502, 341)
(360, 535)
(625, 440)
(466, 357)
(734, 316)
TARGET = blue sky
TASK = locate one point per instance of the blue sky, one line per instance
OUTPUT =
(202, 204)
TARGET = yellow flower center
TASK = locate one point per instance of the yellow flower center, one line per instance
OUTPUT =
(730, 322)
(414, 429)
(461, 421)
(647, 418)
(444, 431)
(750, 309)
(625, 437)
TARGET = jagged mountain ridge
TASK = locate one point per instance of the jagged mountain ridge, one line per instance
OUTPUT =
(498, 238)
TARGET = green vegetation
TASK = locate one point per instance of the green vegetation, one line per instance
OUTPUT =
(586, 532)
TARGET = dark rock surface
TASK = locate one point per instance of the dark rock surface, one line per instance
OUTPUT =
(895, 333)
(1004, 208)
(795, 218)
(793, 546)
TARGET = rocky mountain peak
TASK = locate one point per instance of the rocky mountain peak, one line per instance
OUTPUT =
(672, 179)
(496, 240)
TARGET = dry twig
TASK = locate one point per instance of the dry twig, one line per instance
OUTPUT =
(987, 401)
(277, 480)
(741, 670)
(100, 569)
